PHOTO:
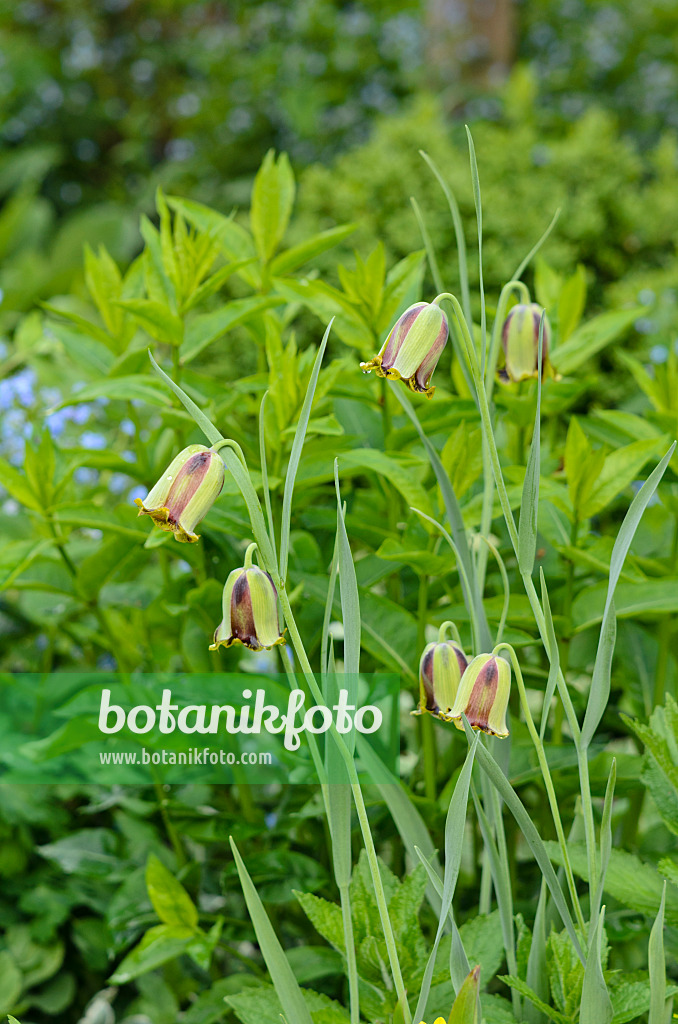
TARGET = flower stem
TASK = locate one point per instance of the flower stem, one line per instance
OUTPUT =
(546, 775)
(363, 819)
(582, 752)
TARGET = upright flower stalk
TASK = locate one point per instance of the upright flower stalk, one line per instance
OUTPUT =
(582, 753)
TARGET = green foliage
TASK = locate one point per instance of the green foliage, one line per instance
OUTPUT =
(139, 890)
(616, 210)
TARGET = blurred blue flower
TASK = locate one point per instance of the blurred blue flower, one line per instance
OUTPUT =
(95, 442)
(137, 492)
(56, 422)
(85, 475)
(127, 427)
(118, 483)
(79, 413)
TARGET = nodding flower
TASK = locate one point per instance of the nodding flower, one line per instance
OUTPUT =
(483, 695)
(185, 492)
(520, 342)
(250, 609)
(441, 668)
(413, 347)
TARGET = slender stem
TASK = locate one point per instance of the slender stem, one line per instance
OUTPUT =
(449, 626)
(557, 734)
(665, 630)
(379, 893)
(172, 833)
(582, 753)
(176, 364)
(546, 775)
(351, 960)
(428, 736)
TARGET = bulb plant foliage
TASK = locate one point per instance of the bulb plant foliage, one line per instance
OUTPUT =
(497, 550)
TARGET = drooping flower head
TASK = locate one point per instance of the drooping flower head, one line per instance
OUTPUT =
(185, 492)
(520, 342)
(250, 609)
(483, 695)
(413, 347)
(440, 670)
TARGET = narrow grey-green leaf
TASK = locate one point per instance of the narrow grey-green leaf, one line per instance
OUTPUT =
(534, 840)
(454, 518)
(454, 839)
(409, 822)
(458, 234)
(295, 454)
(657, 967)
(535, 249)
(596, 1006)
(348, 589)
(605, 841)
(242, 478)
(537, 975)
(600, 684)
(554, 655)
(282, 976)
(529, 504)
(207, 427)
(264, 473)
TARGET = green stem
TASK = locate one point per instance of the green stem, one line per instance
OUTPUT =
(582, 753)
(428, 735)
(665, 631)
(370, 850)
(351, 960)
(546, 775)
(172, 834)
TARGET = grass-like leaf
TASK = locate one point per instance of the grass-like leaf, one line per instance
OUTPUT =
(534, 840)
(206, 425)
(600, 684)
(454, 839)
(295, 455)
(286, 986)
(529, 505)
(657, 967)
(596, 1006)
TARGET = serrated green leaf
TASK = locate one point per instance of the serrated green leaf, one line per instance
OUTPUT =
(636, 884)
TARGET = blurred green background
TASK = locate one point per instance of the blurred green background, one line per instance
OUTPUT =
(576, 103)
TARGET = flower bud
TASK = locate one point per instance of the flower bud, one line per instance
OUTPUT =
(250, 611)
(186, 492)
(413, 347)
(520, 341)
(440, 670)
(483, 695)
(466, 1009)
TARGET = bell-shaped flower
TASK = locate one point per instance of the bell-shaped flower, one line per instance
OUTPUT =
(413, 347)
(185, 492)
(250, 610)
(483, 695)
(520, 342)
(440, 670)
